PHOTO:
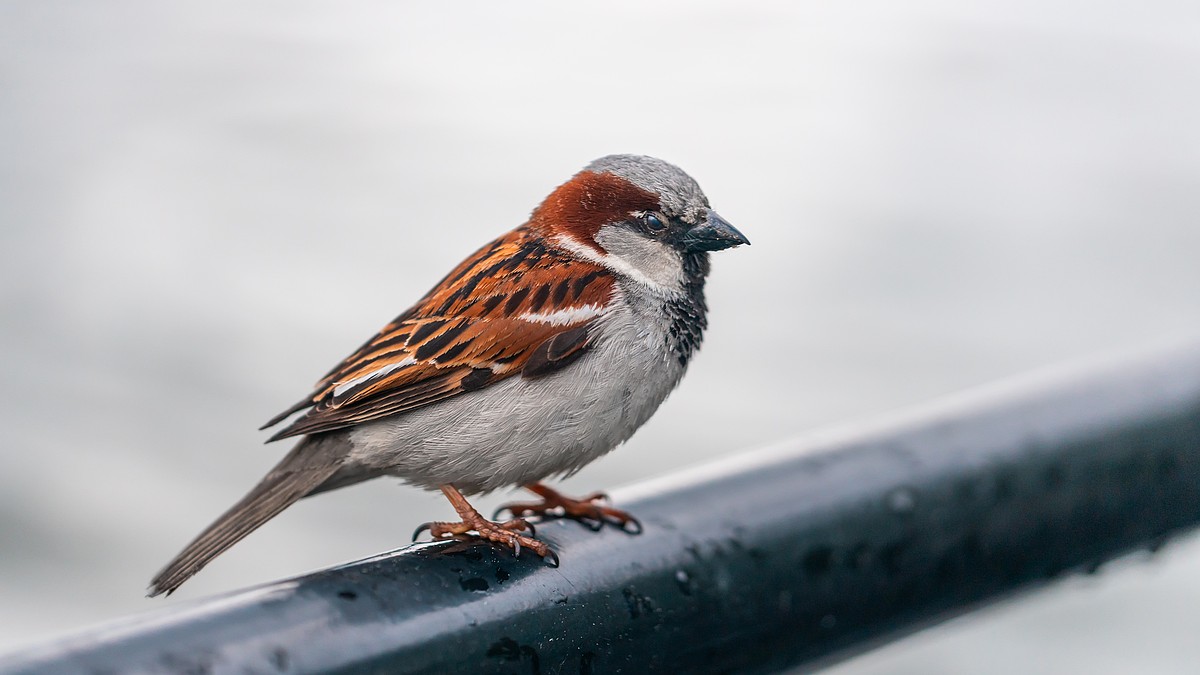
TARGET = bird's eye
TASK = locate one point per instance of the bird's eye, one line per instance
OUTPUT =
(654, 223)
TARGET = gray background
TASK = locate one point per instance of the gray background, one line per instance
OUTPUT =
(205, 205)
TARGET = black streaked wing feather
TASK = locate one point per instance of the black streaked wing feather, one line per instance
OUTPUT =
(466, 333)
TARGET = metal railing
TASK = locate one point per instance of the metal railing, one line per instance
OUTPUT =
(796, 555)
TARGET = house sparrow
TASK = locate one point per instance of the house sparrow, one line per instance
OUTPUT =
(541, 352)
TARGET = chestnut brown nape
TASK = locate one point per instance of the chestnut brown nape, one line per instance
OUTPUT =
(587, 202)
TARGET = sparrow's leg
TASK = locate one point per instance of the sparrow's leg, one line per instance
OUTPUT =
(473, 521)
(590, 510)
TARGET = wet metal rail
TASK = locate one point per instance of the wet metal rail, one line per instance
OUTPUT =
(800, 554)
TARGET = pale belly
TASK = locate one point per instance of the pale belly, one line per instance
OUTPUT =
(519, 430)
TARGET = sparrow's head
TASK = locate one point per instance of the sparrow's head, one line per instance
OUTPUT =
(638, 216)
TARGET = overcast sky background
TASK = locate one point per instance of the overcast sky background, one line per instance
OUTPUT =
(205, 205)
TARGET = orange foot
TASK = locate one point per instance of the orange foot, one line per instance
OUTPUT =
(474, 525)
(591, 510)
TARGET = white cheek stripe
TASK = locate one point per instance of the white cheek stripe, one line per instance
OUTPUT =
(343, 387)
(610, 261)
(563, 317)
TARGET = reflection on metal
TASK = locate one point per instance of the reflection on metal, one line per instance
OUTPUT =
(796, 555)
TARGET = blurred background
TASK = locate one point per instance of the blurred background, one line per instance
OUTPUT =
(205, 205)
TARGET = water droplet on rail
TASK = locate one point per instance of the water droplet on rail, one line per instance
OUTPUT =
(684, 580)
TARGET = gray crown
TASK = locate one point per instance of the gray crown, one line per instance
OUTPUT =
(679, 195)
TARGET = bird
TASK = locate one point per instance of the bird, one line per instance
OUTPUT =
(539, 353)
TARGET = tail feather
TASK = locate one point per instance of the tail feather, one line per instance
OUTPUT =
(298, 475)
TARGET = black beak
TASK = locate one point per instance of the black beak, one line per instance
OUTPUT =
(713, 235)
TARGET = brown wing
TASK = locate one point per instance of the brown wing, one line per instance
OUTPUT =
(514, 305)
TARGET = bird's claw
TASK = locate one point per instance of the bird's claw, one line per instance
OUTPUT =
(504, 533)
(634, 522)
(592, 511)
(598, 496)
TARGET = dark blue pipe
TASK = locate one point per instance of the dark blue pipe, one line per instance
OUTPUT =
(797, 555)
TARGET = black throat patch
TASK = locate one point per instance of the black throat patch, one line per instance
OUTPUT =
(688, 313)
